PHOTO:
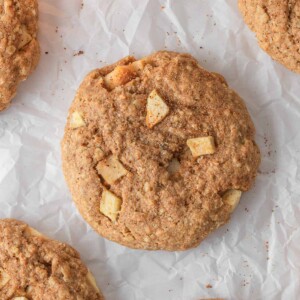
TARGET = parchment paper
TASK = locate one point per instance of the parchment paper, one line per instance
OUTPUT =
(257, 255)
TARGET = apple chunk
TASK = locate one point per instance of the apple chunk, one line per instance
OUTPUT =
(111, 169)
(25, 37)
(202, 145)
(232, 198)
(119, 76)
(32, 232)
(157, 109)
(110, 205)
(76, 120)
(139, 65)
(91, 279)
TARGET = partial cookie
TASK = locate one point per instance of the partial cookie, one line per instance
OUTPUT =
(157, 152)
(277, 27)
(19, 48)
(33, 267)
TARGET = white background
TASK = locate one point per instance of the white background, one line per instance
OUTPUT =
(257, 255)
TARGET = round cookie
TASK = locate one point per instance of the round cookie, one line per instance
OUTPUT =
(19, 49)
(157, 152)
(34, 267)
(277, 27)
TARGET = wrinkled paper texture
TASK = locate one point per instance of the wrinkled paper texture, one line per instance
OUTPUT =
(255, 256)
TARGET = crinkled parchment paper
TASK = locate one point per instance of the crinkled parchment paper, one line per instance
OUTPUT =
(255, 256)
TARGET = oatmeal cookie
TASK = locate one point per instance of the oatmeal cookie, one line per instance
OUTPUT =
(277, 27)
(19, 48)
(34, 267)
(158, 151)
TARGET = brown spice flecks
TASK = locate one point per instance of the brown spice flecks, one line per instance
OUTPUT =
(267, 249)
(79, 53)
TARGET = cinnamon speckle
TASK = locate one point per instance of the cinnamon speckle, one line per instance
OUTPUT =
(79, 53)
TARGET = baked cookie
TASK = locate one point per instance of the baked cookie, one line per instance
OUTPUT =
(19, 49)
(157, 152)
(277, 27)
(33, 267)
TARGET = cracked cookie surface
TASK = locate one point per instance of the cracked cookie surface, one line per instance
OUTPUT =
(157, 152)
(277, 27)
(34, 267)
(19, 48)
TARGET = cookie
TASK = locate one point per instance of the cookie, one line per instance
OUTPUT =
(158, 151)
(277, 27)
(19, 48)
(35, 267)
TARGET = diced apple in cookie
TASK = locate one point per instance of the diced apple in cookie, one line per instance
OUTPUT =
(25, 37)
(31, 231)
(157, 109)
(110, 205)
(119, 76)
(111, 169)
(232, 198)
(76, 120)
(91, 279)
(19, 298)
(139, 65)
(202, 146)
(4, 278)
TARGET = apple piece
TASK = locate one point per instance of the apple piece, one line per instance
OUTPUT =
(119, 76)
(31, 231)
(111, 169)
(157, 109)
(139, 65)
(91, 279)
(232, 198)
(76, 120)
(25, 37)
(110, 205)
(202, 146)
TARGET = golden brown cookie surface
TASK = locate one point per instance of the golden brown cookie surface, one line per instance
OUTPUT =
(277, 27)
(157, 152)
(33, 267)
(19, 49)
